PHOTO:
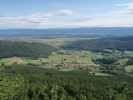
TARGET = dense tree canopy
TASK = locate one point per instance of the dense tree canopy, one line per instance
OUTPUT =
(23, 49)
(30, 83)
(121, 43)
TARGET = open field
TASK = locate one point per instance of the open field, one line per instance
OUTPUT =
(66, 58)
(129, 68)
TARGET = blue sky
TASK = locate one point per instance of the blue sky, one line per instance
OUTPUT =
(65, 13)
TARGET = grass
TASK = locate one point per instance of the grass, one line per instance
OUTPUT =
(129, 53)
(102, 74)
(18, 60)
(69, 59)
(122, 61)
(129, 68)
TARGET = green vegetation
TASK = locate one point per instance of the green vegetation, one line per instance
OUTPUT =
(121, 43)
(76, 69)
(24, 49)
(129, 68)
(31, 83)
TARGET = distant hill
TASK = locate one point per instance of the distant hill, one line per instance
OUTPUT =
(23, 49)
(94, 31)
(120, 43)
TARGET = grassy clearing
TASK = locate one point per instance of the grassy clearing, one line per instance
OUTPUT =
(66, 60)
(129, 53)
(11, 61)
(76, 57)
(129, 68)
(18, 60)
(122, 61)
(102, 74)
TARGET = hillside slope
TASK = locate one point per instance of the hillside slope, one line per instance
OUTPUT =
(23, 49)
(120, 43)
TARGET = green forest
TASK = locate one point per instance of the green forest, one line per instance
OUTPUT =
(24, 49)
(30, 83)
(119, 43)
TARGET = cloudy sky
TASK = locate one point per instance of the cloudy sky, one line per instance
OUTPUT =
(65, 13)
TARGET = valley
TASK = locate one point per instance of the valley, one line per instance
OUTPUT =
(65, 68)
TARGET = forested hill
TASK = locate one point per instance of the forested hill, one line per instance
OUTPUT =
(120, 43)
(23, 49)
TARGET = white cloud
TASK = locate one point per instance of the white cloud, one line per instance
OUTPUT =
(22, 20)
(61, 12)
(34, 20)
(121, 16)
(64, 12)
(101, 21)
(125, 9)
(58, 13)
(130, 8)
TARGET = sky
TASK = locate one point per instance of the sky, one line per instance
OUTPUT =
(65, 13)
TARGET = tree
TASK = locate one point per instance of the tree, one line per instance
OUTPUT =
(11, 86)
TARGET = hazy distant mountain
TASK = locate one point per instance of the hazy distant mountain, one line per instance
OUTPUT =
(100, 31)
